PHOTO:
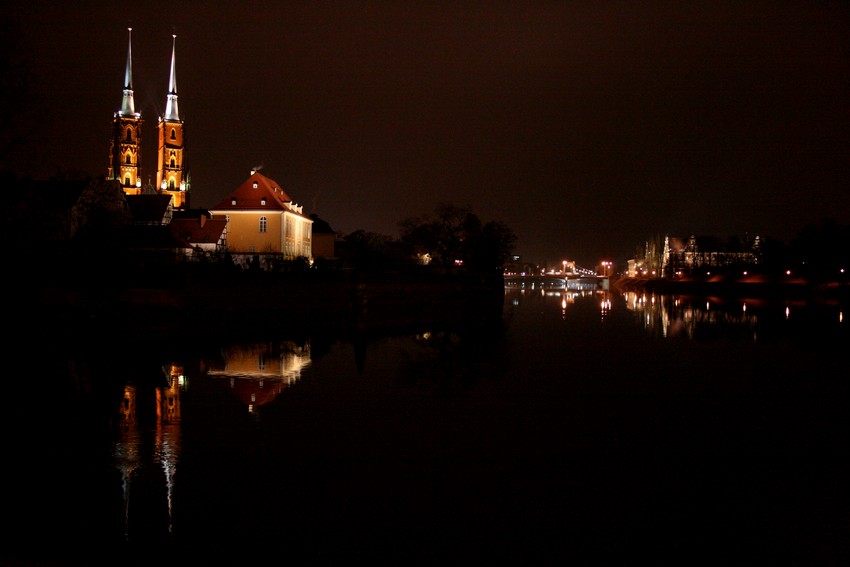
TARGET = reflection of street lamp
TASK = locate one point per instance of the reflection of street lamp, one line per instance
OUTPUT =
(605, 266)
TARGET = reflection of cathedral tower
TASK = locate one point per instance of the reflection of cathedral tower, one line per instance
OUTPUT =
(148, 447)
(125, 145)
(170, 174)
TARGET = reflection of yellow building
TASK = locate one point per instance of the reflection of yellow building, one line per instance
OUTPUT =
(258, 373)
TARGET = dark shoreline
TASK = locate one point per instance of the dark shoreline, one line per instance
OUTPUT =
(246, 305)
(718, 286)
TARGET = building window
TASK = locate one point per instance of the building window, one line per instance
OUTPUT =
(263, 201)
(173, 134)
(255, 184)
(233, 201)
(263, 224)
(127, 160)
(127, 181)
(171, 184)
(129, 135)
(173, 163)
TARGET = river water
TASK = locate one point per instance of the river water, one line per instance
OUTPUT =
(580, 427)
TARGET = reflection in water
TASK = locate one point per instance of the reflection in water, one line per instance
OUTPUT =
(258, 373)
(676, 316)
(669, 316)
(148, 439)
(536, 436)
(516, 291)
(147, 445)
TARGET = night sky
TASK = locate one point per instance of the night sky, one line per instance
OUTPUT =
(587, 127)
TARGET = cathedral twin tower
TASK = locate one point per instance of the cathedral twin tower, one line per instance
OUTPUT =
(125, 146)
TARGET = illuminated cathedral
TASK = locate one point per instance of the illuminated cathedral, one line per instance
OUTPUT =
(125, 148)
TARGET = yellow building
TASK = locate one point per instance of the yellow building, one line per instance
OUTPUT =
(263, 221)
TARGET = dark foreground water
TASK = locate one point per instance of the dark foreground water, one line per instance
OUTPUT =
(595, 429)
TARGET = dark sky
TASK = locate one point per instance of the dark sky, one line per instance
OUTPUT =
(587, 127)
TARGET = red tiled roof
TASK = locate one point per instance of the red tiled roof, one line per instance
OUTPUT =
(249, 391)
(249, 197)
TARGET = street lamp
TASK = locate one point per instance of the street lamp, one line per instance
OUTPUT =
(565, 267)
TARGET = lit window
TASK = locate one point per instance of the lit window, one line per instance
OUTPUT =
(233, 201)
(263, 224)
(263, 201)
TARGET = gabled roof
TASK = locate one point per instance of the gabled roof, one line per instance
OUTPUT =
(148, 208)
(198, 230)
(249, 197)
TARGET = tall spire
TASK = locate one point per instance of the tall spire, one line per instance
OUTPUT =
(128, 107)
(171, 112)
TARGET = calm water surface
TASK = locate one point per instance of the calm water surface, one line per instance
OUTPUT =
(579, 428)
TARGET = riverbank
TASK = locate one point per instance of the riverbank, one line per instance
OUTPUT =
(759, 286)
(196, 305)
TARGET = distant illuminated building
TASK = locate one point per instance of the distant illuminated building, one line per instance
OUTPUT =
(674, 257)
(681, 258)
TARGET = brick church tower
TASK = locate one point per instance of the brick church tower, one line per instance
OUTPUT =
(126, 142)
(171, 176)
(125, 148)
